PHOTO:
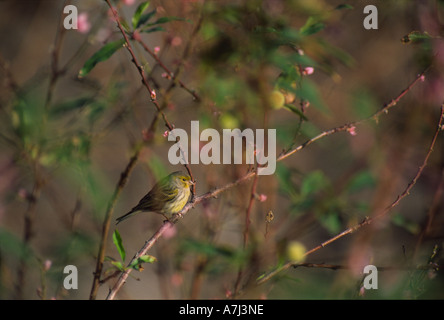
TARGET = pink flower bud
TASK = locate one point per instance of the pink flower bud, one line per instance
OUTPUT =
(166, 75)
(262, 197)
(83, 24)
(307, 71)
(352, 130)
(156, 50)
(128, 2)
(153, 95)
(47, 265)
(166, 133)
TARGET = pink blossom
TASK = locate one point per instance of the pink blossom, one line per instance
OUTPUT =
(153, 94)
(262, 197)
(352, 130)
(166, 133)
(307, 71)
(128, 2)
(166, 75)
(83, 24)
(156, 50)
(47, 265)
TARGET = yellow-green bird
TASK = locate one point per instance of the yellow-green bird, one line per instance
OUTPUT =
(167, 197)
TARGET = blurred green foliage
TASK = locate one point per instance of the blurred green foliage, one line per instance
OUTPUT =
(67, 135)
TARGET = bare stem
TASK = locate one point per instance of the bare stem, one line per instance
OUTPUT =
(368, 220)
(345, 127)
(107, 220)
(214, 193)
(145, 81)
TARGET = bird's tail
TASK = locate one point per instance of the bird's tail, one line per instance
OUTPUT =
(125, 216)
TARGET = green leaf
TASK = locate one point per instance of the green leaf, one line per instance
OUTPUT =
(343, 6)
(312, 26)
(67, 106)
(154, 29)
(361, 181)
(415, 37)
(313, 182)
(118, 265)
(102, 55)
(136, 264)
(138, 13)
(295, 110)
(146, 17)
(165, 20)
(117, 239)
(330, 221)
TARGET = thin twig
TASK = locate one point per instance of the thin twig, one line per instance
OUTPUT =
(55, 71)
(433, 209)
(28, 230)
(348, 126)
(171, 74)
(342, 267)
(107, 220)
(141, 70)
(213, 194)
(148, 244)
(368, 220)
(247, 228)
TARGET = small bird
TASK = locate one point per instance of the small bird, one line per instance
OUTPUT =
(167, 197)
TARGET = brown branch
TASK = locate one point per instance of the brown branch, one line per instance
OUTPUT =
(107, 220)
(348, 126)
(367, 220)
(148, 244)
(171, 74)
(247, 228)
(55, 51)
(433, 209)
(389, 268)
(213, 194)
(28, 229)
(141, 70)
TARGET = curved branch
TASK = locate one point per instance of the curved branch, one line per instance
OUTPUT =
(145, 81)
(367, 220)
(213, 194)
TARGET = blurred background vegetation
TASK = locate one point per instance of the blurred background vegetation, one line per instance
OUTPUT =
(65, 140)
